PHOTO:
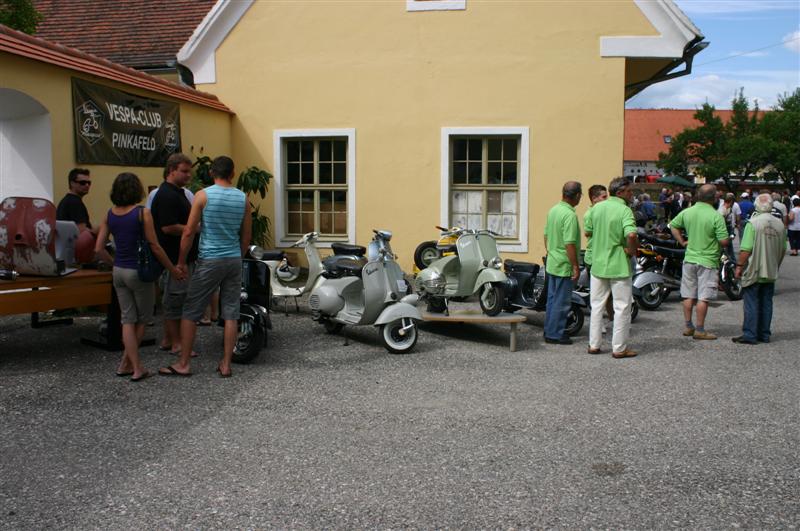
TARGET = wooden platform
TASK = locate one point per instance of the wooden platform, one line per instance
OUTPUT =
(29, 294)
(478, 317)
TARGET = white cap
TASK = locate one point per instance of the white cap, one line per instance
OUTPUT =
(745, 194)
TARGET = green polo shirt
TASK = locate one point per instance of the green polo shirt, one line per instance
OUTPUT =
(561, 228)
(609, 225)
(704, 227)
(587, 255)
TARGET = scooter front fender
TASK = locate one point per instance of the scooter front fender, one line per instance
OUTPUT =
(488, 276)
(648, 277)
(398, 310)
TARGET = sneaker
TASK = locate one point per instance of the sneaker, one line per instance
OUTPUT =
(742, 339)
(562, 341)
(627, 353)
(688, 332)
(704, 335)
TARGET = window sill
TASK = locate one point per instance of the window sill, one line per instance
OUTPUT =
(322, 243)
(435, 5)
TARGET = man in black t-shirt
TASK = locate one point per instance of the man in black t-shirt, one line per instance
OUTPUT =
(71, 207)
(170, 209)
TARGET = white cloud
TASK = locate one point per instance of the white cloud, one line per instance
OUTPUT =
(711, 7)
(792, 41)
(718, 89)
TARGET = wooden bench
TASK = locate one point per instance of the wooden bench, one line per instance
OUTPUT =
(477, 317)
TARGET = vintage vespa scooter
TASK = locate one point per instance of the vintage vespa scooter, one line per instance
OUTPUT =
(374, 293)
(474, 268)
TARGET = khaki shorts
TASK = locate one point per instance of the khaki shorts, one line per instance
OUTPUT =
(699, 282)
(136, 298)
(175, 294)
(210, 273)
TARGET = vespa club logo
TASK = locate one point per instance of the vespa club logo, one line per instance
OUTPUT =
(89, 120)
(170, 135)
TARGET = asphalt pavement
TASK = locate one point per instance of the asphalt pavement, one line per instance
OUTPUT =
(462, 433)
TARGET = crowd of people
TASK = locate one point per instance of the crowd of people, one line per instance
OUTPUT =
(198, 239)
(704, 224)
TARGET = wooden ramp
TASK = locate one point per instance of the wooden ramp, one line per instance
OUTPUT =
(478, 317)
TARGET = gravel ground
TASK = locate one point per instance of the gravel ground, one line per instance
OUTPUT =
(461, 433)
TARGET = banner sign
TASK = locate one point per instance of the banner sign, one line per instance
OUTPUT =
(121, 129)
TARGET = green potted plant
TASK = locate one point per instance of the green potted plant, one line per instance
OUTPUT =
(254, 181)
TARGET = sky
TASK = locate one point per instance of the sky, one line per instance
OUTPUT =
(754, 44)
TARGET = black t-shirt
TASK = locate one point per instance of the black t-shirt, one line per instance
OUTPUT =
(71, 208)
(170, 207)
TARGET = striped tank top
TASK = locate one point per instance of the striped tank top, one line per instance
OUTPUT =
(221, 223)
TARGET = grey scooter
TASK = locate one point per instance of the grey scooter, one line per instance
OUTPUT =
(371, 294)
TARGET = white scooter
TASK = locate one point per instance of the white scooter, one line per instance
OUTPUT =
(375, 293)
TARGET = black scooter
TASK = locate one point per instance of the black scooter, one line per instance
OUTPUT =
(254, 306)
(526, 287)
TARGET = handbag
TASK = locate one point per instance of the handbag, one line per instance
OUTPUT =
(147, 267)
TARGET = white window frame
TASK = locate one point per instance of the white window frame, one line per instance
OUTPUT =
(279, 150)
(436, 5)
(520, 245)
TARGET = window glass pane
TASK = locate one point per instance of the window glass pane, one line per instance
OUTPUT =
(293, 173)
(307, 222)
(325, 150)
(509, 202)
(292, 151)
(293, 204)
(458, 220)
(325, 203)
(475, 146)
(340, 173)
(475, 221)
(494, 223)
(459, 172)
(294, 224)
(509, 173)
(459, 202)
(340, 223)
(326, 223)
(307, 173)
(340, 150)
(307, 150)
(474, 202)
(460, 149)
(494, 176)
(493, 203)
(510, 149)
(340, 201)
(325, 173)
(509, 228)
(474, 172)
(495, 149)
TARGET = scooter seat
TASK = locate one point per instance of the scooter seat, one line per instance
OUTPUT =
(349, 267)
(669, 252)
(273, 254)
(346, 248)
(451, 248)
(521, 267)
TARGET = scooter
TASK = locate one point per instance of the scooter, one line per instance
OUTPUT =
(648, 285)
(254, 305)
(583, 285)
(474, 268)
(428, 252)
(526, 287)
(374, 293)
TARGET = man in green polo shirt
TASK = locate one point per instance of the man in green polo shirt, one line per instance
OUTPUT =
(706, 233)
(562, 240)
(612, 228)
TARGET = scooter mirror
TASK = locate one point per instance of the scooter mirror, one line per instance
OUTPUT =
(256, 252)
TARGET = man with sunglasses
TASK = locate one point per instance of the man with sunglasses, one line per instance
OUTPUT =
(71, 208)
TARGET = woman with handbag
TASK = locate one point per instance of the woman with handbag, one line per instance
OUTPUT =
(135, 269)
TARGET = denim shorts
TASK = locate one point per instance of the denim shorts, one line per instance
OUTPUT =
(210, 273)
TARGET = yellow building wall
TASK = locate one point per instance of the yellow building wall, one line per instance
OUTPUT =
(202, 128)
(398, 77)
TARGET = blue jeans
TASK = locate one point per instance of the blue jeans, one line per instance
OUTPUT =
(559, 296)
(757, 311)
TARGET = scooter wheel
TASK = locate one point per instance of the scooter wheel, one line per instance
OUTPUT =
(652, 296)
(425, 254)
(395, 339)
(492, 298)
(575, 319)
(251, 337)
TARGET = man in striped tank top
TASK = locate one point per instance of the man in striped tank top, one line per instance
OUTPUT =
(222, 214)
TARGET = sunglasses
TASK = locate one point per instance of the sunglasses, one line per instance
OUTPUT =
(84, 183)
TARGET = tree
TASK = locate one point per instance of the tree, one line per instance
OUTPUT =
(781, 130)
(20, 15)
(746, 144)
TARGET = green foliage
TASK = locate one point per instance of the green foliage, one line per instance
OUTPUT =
(254, 181)
(751, 143)
(20, 15)
(201, 174)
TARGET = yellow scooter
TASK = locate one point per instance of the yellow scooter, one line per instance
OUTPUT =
(428, 252)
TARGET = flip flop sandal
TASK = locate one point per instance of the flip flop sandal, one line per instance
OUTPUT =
(145, 374)
(224, 375)
(124, 373)
(170, 371)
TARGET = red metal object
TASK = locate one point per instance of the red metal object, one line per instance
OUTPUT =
(28, 235)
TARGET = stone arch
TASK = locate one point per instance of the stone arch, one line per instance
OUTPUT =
(26, 151)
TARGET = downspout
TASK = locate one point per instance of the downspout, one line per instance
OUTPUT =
(689, 51)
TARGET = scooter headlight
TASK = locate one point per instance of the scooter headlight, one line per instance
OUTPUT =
(255, 251)
(435, 283)
(496, 262)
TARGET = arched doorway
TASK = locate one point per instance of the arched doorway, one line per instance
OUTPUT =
(26, 152)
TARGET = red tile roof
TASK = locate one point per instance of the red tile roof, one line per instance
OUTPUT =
(17, 43)
(136, 33)
(645, 130)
